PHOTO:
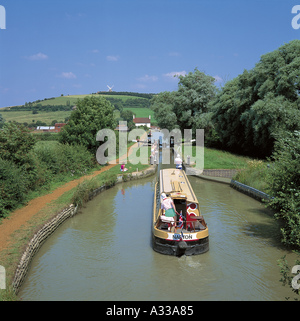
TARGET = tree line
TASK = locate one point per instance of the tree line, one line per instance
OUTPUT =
(248, 113)
(125, 93)
(39, 107)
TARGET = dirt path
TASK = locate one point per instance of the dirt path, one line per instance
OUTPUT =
(24, 214)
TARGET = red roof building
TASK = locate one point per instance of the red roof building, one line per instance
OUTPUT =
(58, 127)
(142, 121)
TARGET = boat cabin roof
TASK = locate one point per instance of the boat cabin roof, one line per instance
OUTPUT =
(175, 183)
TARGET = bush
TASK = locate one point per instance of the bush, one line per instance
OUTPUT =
(15, 144)
(60, 158)
(12, 187)
(82, 192)
(284, 184)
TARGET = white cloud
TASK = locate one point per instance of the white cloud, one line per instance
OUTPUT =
(112, 58)
(218, 79)
(148, 78)
(174, 74)
(67, 75)
(38, 56)
(95, 51)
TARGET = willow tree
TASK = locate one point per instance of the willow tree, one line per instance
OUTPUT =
(184, 108)
(257, 106)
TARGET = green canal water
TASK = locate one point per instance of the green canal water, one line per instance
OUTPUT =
(105, 253)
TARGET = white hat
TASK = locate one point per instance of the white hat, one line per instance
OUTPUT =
(163, 195)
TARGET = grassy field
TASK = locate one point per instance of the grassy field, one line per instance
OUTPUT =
(219, 159)
(28, 117)
(60, 116)
(72, 99)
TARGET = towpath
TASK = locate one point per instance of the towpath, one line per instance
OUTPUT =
(20, 217)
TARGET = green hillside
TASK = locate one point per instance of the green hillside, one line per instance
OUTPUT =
(58, 109)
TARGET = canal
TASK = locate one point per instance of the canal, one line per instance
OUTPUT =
(105, 253)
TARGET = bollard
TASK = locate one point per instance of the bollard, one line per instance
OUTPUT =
(188, 160)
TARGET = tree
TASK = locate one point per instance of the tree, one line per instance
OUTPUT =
(16, 142)
(185, 108)
(284, 183)
(127, 115)
(254, 106)
(162, 105)
(91, 115)
(195, 91)
(12, 186)
(16, 146)
(269, 118)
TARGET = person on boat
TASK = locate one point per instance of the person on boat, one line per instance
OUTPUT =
(178, 162)
(168, 206)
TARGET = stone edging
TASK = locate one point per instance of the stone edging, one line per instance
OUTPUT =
(250, 191)
(38, 239)
(228, 173)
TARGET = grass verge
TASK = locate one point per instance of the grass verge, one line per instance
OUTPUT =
(254, 174)
(219, 159)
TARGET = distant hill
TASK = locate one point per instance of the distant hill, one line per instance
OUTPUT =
(124, 99)
(59, 108)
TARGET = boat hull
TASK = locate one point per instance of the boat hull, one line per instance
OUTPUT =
(179, 248)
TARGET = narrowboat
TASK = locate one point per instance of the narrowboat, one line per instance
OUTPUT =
(186, 233)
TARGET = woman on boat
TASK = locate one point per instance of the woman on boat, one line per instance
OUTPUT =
(170, 216)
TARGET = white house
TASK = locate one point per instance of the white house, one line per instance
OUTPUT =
(142, 121)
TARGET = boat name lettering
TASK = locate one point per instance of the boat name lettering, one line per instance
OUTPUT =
(184, 237)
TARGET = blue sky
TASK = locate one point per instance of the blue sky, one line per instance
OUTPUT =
(53, 47)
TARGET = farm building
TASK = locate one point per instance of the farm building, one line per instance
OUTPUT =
(142, 121)
(54, 129)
